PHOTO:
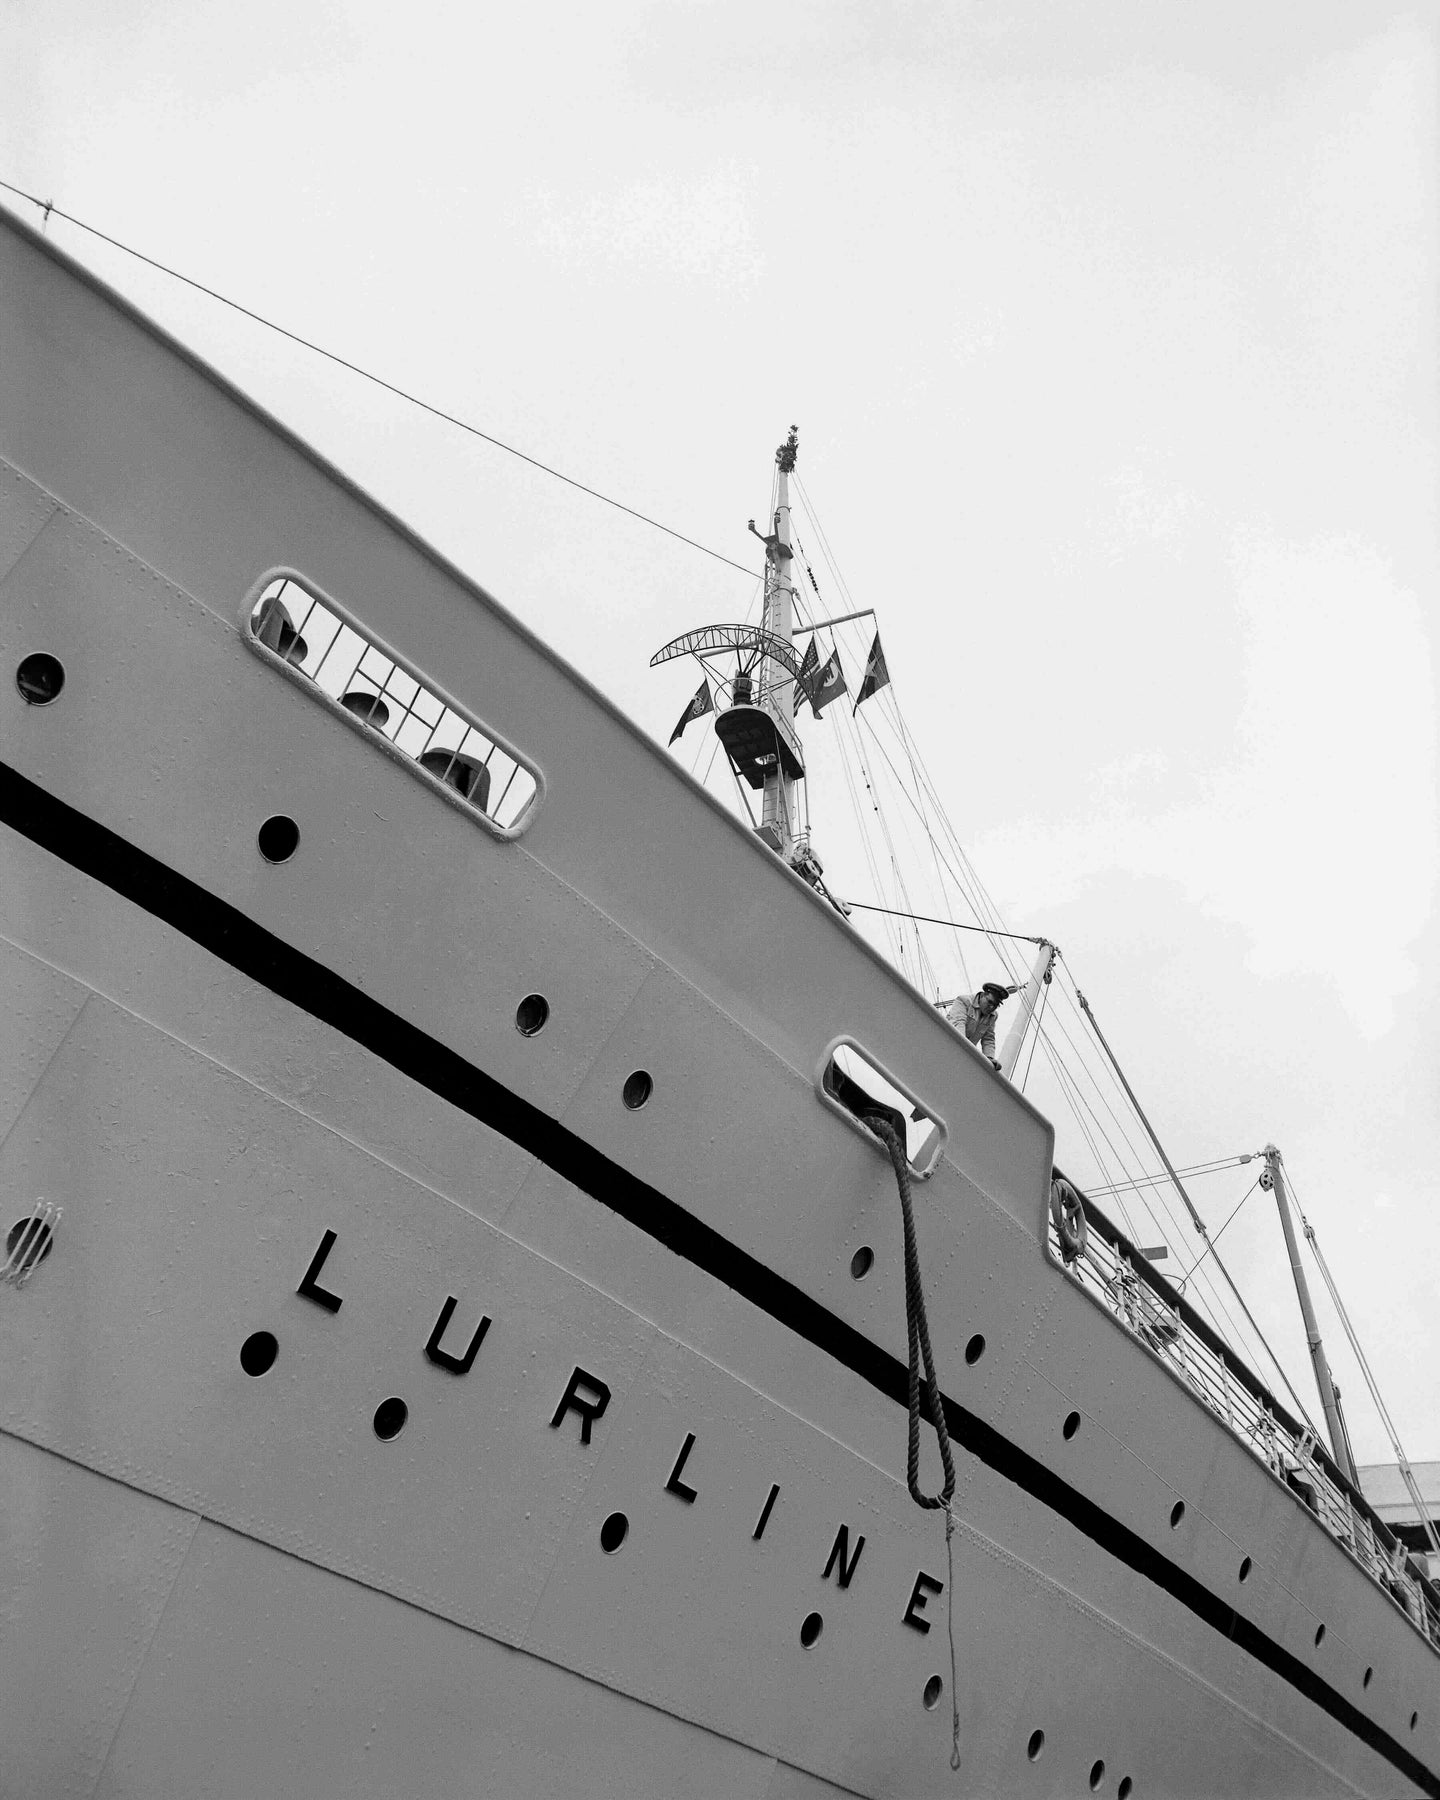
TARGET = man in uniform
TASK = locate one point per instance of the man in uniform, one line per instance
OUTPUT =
(974, 1014)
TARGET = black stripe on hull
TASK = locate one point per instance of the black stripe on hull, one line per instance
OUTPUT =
(237, 940)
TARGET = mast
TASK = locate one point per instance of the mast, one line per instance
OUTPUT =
(1039, 975)
(1329, 1401)
(780, 620)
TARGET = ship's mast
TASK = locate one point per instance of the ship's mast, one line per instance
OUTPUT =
(1339, 1442)
(775, 682)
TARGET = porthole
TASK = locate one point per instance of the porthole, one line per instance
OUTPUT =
(862, 1262)
(1097, 1774)
(1245, 1568)
(1177, 1513)
(1414, 1720)
(1123, 1791)
(33, 1238)
(637, 1089)
(278, 838)
(975, 1349)
(531, 1014)
(1369, 1677)
(258, 1352)
(811, 1629)
(39, 678)
(614, 1532)
(1319, 1636)
(1035, 1746)
(1071, 1426)
(934, 1688)
(390, 1417)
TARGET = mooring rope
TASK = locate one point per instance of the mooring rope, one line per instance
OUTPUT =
(917, 1327)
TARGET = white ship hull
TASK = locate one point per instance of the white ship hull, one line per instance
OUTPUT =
(220, 1583)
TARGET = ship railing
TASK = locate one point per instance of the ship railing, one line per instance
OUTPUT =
(1116, 1273)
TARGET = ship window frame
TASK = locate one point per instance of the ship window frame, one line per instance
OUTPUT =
(381, 646)
(926, 1159)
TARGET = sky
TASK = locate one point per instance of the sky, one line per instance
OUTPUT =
(1111, 335)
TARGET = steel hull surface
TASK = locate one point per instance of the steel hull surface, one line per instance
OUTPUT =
(288, 1101)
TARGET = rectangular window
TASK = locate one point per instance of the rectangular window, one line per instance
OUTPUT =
(333, 655)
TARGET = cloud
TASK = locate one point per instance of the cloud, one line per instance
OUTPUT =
(696, 230)
(1316, 833)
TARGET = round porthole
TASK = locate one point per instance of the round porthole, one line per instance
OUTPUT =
(1177, 1513)
(637, 1089)
(1319, 1636)
(1369, 1677)
(531, 1014)
(258, 1352)
(1071, 1426)
(33, 1238)
(1035, 1746)
(390, 1417)
(1245, 1569)
(1097, 1774)
(39, 678)
(975, 1349)
(811, 1629)
(1414, 1720)
(278, 838)
(934, 1688)
(862, 1262)
(614, 1532)
(1123, 1791)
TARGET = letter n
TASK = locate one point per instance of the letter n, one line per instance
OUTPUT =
(840, 1559)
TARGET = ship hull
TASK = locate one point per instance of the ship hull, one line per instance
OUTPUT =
(289, 1116)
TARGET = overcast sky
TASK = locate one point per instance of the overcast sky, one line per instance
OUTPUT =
(1111, 334)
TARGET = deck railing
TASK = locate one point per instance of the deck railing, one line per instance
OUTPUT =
(1113, 1269)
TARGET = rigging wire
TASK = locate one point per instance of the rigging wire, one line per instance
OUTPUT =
(52, 211)
(1221, 1232)
(1160, 1179)
(1035, 1034)
(954, 924)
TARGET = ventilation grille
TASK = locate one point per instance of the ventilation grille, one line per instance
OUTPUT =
(330, 652)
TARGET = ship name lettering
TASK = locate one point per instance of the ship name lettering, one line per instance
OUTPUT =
(675, 1485)
(443, 1359)
(841, 1561)
(573, 1401)
(925, 1586)
(310, 1288)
